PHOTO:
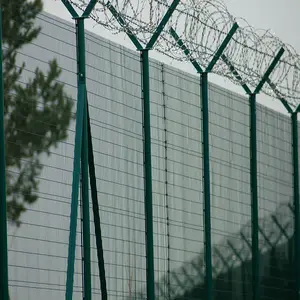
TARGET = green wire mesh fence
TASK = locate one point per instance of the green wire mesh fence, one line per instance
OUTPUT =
(38, 249)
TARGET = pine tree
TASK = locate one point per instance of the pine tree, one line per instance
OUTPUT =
(37, 114)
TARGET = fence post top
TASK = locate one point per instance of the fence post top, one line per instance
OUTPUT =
(74, 13)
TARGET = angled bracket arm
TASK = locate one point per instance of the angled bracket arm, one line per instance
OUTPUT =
(277, 93)
(218, 54)
(70, 8)
(236, 74)
(222, 47)
(73, 12)
(89, 9)
(162, 24)
(122, 22)
(297, 109)
(269, 71)
(131, 35)
(185, 50)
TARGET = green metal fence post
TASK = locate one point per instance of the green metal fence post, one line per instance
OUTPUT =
(254, 197)
(80, 115)
(253, 166)
(80, 34)
(206, 184)
(80, 155)
(144, 51)
(148, 175)
(3, 218)
(295, 139)
(296, 209)
(205, 144)
(253, 175)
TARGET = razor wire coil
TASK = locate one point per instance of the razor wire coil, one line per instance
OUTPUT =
(202, 25)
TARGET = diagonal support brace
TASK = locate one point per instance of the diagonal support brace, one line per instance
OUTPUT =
(81, 159)
(222, 47)
(162, 24)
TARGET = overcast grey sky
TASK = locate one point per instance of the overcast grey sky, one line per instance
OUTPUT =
(281, 16)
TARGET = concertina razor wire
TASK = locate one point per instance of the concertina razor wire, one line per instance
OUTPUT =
(202, 25)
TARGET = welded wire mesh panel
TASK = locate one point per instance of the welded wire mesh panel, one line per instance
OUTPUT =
(159, 175)
(116, 117)
(184, 183)
(38, 248)
(275, 190)
(230, 193)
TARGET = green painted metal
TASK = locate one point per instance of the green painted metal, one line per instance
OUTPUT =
(70, 8)
(298, 108)
(182, 288)
(75, 192)
(89, 8)
(95, 203)
(77, 155)
(205, 143)
(236, 74)
(83, 150)
(80, 35)
(148, 176)
(286, 105)
(206, 183)
(3, 217)
(253, 166)
(162, 24)
(86, 208)
(147, 135)
(185, 50)
(222, 47)
(254, 199)
(253, 176)
(295, 140)
(122, 22)
(269, 71)
(277, 93)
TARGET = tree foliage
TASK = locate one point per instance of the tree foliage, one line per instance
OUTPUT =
(37, 112)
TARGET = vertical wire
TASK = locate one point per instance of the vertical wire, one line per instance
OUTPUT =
(166, 180)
